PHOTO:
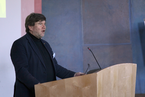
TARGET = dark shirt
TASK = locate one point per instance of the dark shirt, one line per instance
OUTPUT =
(46, 58)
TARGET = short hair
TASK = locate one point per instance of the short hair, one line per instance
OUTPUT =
(32, 18)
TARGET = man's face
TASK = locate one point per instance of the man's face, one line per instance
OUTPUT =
(38, 30)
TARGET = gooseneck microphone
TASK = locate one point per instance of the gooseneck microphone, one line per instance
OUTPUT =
(95, 58)
(87, 69)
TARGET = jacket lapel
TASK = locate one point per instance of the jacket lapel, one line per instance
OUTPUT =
(35, 48)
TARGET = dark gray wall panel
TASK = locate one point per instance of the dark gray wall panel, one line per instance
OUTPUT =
(107, 55)
(138, 41)
(105, 21)
(64, 31)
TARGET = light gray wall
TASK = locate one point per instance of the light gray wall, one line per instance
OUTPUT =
(10, 29)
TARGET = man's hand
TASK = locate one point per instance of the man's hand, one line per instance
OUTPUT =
(78, 74)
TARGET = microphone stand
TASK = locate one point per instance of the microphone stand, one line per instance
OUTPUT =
(94, 70)
(95, 58)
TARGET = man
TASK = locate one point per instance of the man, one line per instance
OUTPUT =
(33, 58)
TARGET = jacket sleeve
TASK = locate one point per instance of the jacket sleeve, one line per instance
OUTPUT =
(20, 62)
(62, 72)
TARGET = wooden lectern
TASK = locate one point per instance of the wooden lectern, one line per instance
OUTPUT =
(114, 81)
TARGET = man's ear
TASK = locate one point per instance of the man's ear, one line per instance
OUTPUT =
(30, 28)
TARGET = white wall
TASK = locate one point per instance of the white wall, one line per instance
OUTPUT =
(10, 30)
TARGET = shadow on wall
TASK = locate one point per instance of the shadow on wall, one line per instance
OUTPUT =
(141, 27)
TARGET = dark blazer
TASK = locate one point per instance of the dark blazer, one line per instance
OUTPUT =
(29, 66)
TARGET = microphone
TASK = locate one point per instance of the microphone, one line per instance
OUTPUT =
(94, 70)
(87, 69)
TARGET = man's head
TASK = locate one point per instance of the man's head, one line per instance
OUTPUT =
(35, 24)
